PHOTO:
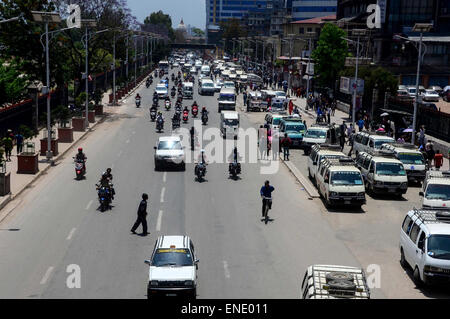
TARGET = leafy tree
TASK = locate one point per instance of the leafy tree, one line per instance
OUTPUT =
(160, 18)
(232, 28)
(12, 82)
(382, 78)
(198, 32)
(330, 54)
(180, 36)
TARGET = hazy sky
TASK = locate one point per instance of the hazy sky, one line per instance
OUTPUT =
(193, 12)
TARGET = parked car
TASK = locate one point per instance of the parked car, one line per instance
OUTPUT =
(430, 96)
(436, 88)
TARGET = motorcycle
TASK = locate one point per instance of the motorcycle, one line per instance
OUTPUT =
(172, 93)
(153, 115)
(168, 105)
(104, 197)
(204, 119)
(200, 171)
(195, 111)
(80, 169)
(185, 116)
(175, 123)
(160, 125)
(234, 169)
(147, 84)
(138, 102)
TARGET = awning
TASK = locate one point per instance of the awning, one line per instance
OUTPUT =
(431, 39)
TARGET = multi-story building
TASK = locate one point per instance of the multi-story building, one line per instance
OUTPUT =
(398, 18)
(308, 9)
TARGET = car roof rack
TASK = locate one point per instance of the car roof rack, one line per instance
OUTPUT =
(438, 174)
(432, 216)
(407, 146)
(344, 161)
(331, 147)
(382, 153)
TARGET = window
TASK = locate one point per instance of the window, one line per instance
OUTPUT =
(364, 140)
(407, 224)
(301, 30)
(366, 163)
(371, 144)
(421, 242)
(414, 233)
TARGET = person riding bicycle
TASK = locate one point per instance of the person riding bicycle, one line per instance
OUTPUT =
(266, 194)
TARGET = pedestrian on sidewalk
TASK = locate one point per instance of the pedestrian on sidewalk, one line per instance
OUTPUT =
(329, 114)
(342, 127)
(351, 142)
(141, 216)
(291, 107)
(244, 94)
(430, 153)
(19, 143)
(8, 145)
(422, 135)
(333, 107)
(361, 124)
(438, 160)
(286, 144)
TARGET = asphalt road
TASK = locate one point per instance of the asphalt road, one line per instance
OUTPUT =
(57, 224)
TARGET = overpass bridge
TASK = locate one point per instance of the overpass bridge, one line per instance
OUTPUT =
(193, 46)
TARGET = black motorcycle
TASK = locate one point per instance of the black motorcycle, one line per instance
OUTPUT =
(200, 171)
(104, 197)
(234, 169)
(153, 115)
(204, 119)
(160, 125)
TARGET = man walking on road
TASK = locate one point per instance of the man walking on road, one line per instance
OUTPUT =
(286, 143)
(19, 143)
(141, 216)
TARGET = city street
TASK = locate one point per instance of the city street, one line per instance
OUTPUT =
(57, 224)
(240, 257)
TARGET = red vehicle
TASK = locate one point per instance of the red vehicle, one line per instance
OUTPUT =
(185, 116)
(195, 110)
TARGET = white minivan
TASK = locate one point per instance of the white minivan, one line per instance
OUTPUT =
(227, 99)
(425, 246)
(229, 124)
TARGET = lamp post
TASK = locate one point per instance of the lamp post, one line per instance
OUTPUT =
(308, 66)
(46, 18)
(422, 28)
(87, 23)
(291, 37)
(10, 20)
(358, 33)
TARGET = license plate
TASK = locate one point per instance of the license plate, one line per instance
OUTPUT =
(391, 190)
(296, 143)
(171, 295)
(347, 202)
(347, 199)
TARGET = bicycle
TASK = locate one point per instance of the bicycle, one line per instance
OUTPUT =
(267, 203)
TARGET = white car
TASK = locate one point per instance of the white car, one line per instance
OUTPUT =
(173, 268)
(229, 85)
(162, 91)
(169, 151)
(430, 96)
(176, 65)
(218, 85)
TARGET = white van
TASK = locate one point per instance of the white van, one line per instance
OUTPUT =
(227, 99)
(205, 70)
(229, 124)
(436, 190)
(188, 90)
(382, 173)
(411, 158)
(365, 142)
(334, 282)
(320, 134)
(318, 153)
(206, 87)
(425, 246)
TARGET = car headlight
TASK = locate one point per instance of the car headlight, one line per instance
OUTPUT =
(333, 194)
(429, 268)
(362, 194)
(189, 283)
(154, 283)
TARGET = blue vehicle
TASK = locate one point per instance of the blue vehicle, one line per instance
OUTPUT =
(104, 197)
(295, 131)
(165, 82)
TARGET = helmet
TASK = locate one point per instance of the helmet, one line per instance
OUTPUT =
(144, 196)
(108, 170)
(204, 108)
(80, 149)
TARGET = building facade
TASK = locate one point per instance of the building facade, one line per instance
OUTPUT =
(308, 9)
(398, 18)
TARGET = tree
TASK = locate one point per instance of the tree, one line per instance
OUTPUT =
(330, 54)
(198, 32)
(180, 36)
(12, 82)
(382, 78)
(160, 18)
(231, 29)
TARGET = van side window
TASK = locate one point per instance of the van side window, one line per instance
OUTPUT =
(407, 224)
(366, 163)
(421, 242)
(358, 138)
(414, 233)
(372, 165)
(364, 141)
(371, 144)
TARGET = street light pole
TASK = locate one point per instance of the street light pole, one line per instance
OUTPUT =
(135, 61)
(88, 23)
(355, 86)
(114, 70)
(308, 67)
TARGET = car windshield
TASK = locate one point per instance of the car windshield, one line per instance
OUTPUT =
(295, 128)
(276, 121)
(226, 98)
(231, 122)
(172, 257)
(438, 192)
(346, 178)
(278, 105)
(411, 158)
(439, 247)
(316, 134)
(390, 169)
(208, 85)
(280, 94)
(229, 85)
(169, 145)
(378, 143)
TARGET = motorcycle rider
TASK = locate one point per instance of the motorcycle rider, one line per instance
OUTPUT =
(81, 157)
(266, 192)
(109, 176)
(105, 182)
(201, 161)
(160, 117)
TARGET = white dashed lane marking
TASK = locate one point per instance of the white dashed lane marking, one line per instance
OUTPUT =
(47, 275)
(89, 204)
(163, 191)
(159, 221)
(71, 234)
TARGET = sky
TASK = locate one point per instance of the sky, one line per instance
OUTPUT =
(193, 12)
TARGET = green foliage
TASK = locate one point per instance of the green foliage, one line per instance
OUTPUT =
(161, 18)
(232, 29)
(198, 32)
(97, 96)
(12, 82)
(62, 115)
(27, 132)
(80, 100)
(330, 54)
(382, 78)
